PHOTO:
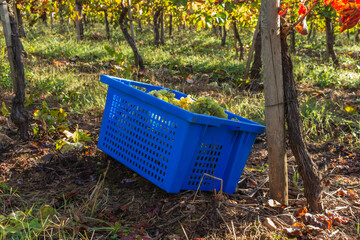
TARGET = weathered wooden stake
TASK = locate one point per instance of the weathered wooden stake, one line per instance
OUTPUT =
(274, 100)
(252, 48)
(131, 20)
(78, 20)
(107, 25)
(19, 20)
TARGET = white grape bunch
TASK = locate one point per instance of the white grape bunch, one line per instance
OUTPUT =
(204, 105)
(207, 106)
(163, 94)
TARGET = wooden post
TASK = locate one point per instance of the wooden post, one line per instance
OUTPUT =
(51, 21)
(131, 20)
(162, 30)
(19, 20)
(252, 48)
(274, 100)
(223, 37)
(61, 16)
(238, 39)
(78, 20)
(5, 22)
(156, 21)
(107, 25)
(257, 62)
(170, 25)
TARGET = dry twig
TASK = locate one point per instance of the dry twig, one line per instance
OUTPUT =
(98, 189)
(233, 228)
(259, 187)
(205, 174)
(182, 227)
(224, 220)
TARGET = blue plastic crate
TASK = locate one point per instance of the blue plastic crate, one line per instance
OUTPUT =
(170, 146)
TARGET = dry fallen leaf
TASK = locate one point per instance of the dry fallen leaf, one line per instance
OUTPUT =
(335, 217)
(298, 225)
(78, 216)
(287, 218)
(301, 212)
(273, 203)
(298, 202)
(251, 182)
(295, 230)
(352, 194)
(313, 230)
(270, 224)
(320, 221)
(341, 193)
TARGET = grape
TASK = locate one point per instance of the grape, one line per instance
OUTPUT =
(162, 93)
(207, 106)
(204, 105)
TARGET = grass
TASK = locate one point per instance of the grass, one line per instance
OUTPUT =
(21, 222)
(325, 75)
(41, 221)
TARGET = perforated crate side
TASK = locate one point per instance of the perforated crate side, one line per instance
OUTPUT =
(239, 155)
(221, 153)
(147, 139)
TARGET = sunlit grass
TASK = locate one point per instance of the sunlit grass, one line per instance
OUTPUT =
(250, 106)
(324, 74)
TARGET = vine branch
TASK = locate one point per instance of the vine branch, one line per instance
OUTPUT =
(286, 30)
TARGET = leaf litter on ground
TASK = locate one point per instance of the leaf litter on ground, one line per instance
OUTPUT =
(141, 209)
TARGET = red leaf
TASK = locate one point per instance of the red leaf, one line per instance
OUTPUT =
(282, 11)
(349, 18)
(327, 183)
(339, 4)
(295, 230)
(70, 194)
(335, 217)
(124, 208)
(302, 9)
(319, 221)
(324, 222)
(327, 2)
(298, 225)
(302, 27)
(352, 194)
(301, 212)
(341, 193)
